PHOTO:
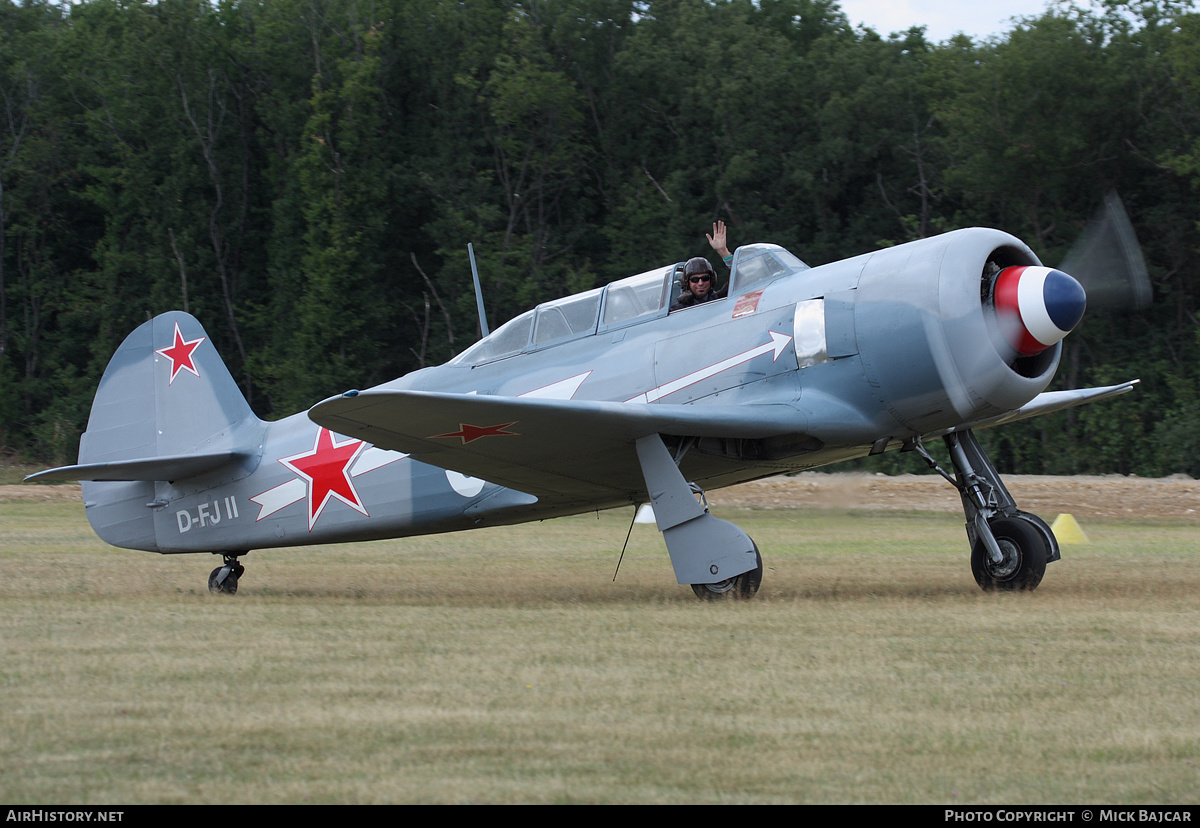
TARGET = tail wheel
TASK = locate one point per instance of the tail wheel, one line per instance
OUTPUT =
(1023, 552)
(736, 588)
(224, 579)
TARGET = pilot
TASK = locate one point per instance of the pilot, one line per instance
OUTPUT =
(699, 280)
(698, 283)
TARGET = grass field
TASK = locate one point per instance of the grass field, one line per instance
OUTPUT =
(506, 666)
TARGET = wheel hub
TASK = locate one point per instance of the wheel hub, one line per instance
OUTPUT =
(1008, 564)
(721, 587)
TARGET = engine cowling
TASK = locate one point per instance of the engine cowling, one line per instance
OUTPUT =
(961, 326)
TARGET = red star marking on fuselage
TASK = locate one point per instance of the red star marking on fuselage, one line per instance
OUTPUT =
(180, 354)
(327, 470)
(467, 433)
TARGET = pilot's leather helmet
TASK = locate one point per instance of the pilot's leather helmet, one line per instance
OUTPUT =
(695, 266)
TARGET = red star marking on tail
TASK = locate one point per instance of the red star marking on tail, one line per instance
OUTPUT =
(326, 469)
(180, 354)
(467, 432)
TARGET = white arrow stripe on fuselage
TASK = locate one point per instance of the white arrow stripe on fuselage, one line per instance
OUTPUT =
(285, 494)
(374, 458)
(561, 390)
(777, 344)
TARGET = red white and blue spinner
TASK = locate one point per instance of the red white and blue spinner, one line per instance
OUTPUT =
(1037, 306)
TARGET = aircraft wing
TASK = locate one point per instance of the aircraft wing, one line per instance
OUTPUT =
(1051, 401)
(570, 448)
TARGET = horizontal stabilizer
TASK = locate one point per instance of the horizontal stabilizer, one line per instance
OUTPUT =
(1051, 401)
(171, 467)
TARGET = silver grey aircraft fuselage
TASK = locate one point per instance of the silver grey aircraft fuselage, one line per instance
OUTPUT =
(603, 399)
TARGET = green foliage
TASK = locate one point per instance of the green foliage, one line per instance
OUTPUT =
(305, 177)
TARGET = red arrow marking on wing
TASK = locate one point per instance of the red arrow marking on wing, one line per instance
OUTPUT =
(777, 344)
(468, 433)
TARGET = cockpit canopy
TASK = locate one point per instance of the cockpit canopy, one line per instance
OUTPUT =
(755, 263)
(628, 301)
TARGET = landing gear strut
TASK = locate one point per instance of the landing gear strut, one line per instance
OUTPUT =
(1009, 548)
(715, 557)
(224, 579)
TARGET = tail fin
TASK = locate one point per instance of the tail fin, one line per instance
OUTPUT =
(165, 392)
(166, 409)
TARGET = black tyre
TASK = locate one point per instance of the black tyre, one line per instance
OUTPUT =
(738, 587)
(1024, 551)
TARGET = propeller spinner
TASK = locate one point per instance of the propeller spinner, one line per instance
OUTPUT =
(1037, 306)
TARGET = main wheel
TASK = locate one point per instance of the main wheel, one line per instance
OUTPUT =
(1024, 552)
(738, 587)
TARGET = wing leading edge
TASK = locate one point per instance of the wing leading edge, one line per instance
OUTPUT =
(544, 447)
(1050, 401)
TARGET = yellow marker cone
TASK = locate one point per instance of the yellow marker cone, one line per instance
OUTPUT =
(1067, 530)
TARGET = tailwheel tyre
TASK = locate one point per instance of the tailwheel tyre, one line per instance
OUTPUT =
(738, 587)
(1023, 552)
(224, 579)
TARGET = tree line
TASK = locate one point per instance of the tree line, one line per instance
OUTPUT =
(305, 175)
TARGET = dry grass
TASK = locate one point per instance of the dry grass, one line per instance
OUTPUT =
(506, 666)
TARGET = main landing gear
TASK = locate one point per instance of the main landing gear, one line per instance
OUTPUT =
(715, 557)
(738, 587)
(1009, 548)
(224, 579)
